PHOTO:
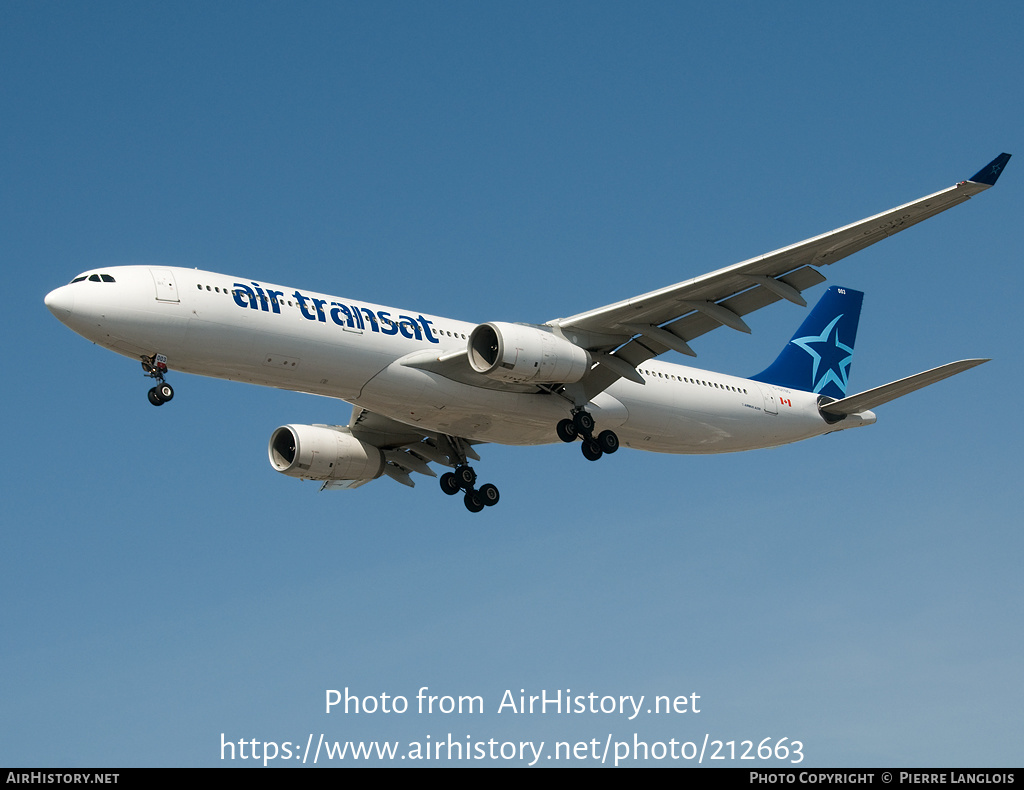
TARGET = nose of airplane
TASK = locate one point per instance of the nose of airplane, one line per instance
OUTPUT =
(61, 301)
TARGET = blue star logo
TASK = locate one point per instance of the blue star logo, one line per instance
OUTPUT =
(833, 356)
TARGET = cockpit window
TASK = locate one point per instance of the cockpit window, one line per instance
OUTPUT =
(94, 278)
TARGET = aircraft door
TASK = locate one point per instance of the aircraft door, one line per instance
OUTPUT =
(166, 289)
(771, 404)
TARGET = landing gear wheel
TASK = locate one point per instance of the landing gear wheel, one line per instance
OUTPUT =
(466, 477)
(474, 504)
(608, 442)
(591, 450)
(449, 484)
(584, 422)
(488, 494)
(566, 430)
(156, 368)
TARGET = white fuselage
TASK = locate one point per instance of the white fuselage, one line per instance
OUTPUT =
(232, 328)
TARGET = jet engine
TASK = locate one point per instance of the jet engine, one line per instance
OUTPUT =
(517, 353)
(320, 452)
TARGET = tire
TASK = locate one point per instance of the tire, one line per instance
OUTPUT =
(473, 502)
(592, 450)
(449, 484)
(165, 391)
(584, 422)
(154, 398)
(488, 494)
(466, 477)
(566, 430)
(608, 442)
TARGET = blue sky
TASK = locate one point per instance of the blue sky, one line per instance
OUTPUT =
(860, 592)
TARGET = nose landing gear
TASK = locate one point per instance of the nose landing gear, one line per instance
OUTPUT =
(581, 426)
(156, 368)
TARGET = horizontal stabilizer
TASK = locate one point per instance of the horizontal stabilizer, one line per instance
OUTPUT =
(897, 389)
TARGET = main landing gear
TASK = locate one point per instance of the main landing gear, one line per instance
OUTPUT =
(156, 368)
(581, 426)
(464, 477)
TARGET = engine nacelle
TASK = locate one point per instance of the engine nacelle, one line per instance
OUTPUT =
(512, 352)
(316, 452)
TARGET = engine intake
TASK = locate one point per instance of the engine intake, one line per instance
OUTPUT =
(317, 452)
(517, 353)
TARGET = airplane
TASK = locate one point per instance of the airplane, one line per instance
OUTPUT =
(427, 389)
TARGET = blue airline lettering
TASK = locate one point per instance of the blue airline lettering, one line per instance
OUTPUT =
(267, 302)
(244, 296)
(302, 306)
(372, 318)
(385, 320)
(407, 325)
(254, 298)
(337, 310)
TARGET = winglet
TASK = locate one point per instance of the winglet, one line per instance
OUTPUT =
(990, 172)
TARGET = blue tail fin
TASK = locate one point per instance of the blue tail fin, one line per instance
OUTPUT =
(819, 356)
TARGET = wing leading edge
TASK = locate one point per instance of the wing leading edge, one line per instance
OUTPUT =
(634, 330)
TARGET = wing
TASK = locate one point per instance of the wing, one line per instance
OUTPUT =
(405, 448)
(624, 334)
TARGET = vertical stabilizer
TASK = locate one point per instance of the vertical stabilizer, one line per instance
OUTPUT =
(819, 356)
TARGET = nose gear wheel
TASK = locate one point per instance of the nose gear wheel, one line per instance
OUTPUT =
(156, 368)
